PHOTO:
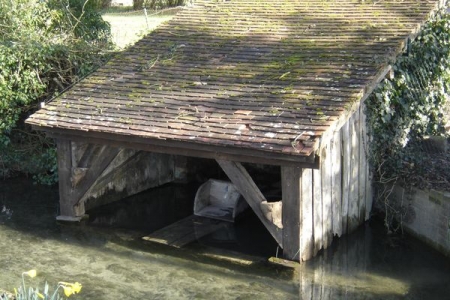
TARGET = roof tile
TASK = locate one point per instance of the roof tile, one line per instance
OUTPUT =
(264, 75)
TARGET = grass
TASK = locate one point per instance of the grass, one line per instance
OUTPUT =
(127, 27)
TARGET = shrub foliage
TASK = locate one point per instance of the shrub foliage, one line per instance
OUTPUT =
(45, 46)
(404, 109)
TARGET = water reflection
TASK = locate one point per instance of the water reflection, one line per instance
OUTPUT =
(371, 265)
(115, 263)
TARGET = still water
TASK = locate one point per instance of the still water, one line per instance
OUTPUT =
(108, 256)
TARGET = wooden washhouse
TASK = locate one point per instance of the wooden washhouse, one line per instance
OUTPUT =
(275, 82)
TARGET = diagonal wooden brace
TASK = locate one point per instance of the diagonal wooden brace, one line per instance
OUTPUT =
(70, 193)
(247, 187)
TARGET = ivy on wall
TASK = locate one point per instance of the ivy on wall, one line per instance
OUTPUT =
(404, 109)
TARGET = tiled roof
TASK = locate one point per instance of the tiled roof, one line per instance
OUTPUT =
(270, 75)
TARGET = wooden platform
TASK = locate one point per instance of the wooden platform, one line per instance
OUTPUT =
(185, 231)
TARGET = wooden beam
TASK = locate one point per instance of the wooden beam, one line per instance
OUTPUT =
(362, 166)
(64, 151)
(318, 210)
(365, 139)
(298, 237)
(69, 193)
(186, 148)
(336, 184)
(327, 205)
(88, 156)
(103, 159)
(353, 201)
(346, 171)
(185, 231)
(247, 187)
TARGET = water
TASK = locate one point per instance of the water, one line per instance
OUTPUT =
(113, 262)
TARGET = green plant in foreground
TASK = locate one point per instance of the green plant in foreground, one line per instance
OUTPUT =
(22, 293)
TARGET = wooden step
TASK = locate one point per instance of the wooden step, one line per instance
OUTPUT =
(185, 231)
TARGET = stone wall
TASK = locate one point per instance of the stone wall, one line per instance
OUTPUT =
(427, 215)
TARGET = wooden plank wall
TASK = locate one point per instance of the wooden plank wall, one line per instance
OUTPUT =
(91, 175)
(341, 190)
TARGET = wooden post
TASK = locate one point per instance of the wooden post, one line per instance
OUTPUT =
(336, 184)
(71, 190)
(64, 151)
(318, 213)
(362, 166)
(365, 146)
(327, 205)
(346, 152)
(298, 238)
(353, 214)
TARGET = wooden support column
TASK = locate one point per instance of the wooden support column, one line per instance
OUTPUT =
(298, 238)
(247, 187)
(365, 139)
(346, 171)
(336, 185)
(64, 150)
(71, 190)
(353, 220)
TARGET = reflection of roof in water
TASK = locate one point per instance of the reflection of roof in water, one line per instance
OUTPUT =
(271, 77)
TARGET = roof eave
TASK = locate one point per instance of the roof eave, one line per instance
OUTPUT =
(183, 148)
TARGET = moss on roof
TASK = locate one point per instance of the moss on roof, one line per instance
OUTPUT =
(243, 73)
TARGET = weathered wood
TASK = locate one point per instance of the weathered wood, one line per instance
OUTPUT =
(318, 216)
(103, 159)
(291, 184)
(247, 187)
(362, 166)
(186, 148)
(105, 169)
(336, 183)
(64, 149)
(345, 118)
(283, 262)
(273, 211)
(173, 95)
(88, 156)
(353, 216)
(185, 231)
(78, 150)
(327, 205)
(298, 235)
(346, 171)
(365, 139)
(129, 173)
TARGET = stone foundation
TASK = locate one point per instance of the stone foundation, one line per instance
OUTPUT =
(427, 215)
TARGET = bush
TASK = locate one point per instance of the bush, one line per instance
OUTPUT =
(59, 41)
(404, 109)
